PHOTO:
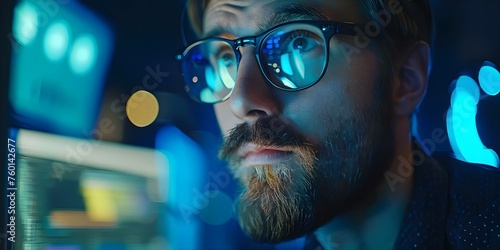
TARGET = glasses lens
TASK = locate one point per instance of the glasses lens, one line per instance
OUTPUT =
(294, 56)
(210, 69)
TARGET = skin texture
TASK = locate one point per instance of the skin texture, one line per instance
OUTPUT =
(339, 135)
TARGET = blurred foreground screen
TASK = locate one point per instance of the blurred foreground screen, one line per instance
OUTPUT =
(74, 199)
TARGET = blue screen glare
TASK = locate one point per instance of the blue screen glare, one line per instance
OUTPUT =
(462, 127)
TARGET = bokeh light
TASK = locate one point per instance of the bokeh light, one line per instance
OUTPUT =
(56, 40)
(83, 54)
(462, 127)
(25, 23)
(489, 79)
(142, 108)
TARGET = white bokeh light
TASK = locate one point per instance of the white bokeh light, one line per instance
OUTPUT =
(25, 23)
(56, 40)
(83, 54)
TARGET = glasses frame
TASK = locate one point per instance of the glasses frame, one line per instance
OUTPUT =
(328, 30)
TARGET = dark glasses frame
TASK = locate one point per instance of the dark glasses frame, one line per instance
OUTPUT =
(328, 29)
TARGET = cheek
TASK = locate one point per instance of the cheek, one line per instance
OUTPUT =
(225, 117)
(315, 110)
(345, 91)
(356, 71)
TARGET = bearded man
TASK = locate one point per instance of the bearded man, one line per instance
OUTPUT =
(315, 99)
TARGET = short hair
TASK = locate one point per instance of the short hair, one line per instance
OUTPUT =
(413, 22)
(195, 11)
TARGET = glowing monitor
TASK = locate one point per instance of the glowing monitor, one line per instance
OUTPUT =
(61, 52)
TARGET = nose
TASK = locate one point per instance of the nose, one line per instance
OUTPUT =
(252, 96)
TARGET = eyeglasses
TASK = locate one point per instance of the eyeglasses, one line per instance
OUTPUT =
(292, 56)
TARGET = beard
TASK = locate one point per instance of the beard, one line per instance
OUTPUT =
(284, 201)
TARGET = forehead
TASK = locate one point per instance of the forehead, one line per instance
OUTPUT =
(249, 17)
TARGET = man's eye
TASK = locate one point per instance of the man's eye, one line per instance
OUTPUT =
(226, 59)
(302, 42)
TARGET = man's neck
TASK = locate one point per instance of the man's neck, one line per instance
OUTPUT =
(375, 224)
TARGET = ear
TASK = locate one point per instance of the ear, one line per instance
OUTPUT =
(411, 84)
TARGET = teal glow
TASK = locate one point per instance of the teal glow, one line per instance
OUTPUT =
(56, 40)
(489, 78)
(84, 54)
(210, 78)
(299, 63)
(285, 65)
(462, 127)
(225, 77)
(288, 83)
(25, 23)
(182, 186)
(207, 95)
(466, 94)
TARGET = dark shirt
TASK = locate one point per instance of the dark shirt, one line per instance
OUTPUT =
(454, 205)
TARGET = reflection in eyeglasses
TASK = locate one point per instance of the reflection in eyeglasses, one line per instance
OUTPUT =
(299, 63)
(225, 76)
(213, 81)
(288, 83)
(285, 65)
(207, 95)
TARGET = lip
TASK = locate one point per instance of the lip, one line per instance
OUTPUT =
(253, 154)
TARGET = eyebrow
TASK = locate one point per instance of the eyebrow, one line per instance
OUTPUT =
(290, 13)
(280, 15)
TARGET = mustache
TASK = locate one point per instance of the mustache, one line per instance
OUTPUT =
(265, 131)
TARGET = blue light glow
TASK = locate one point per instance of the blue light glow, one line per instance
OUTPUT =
(207, 95)
(181, 185)
(57, 81)
(211, 78)
(288, 83)
(225, 77)
(285, 65)
(56, 40)
(25, 23)
(299, 63)
(489, 78)
(84, 54)
(462, 128)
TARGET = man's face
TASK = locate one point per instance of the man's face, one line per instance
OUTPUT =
(302, 157)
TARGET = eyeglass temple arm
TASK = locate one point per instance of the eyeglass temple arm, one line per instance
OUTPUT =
(345, 28)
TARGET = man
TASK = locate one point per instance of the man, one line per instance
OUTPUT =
(315, 100)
